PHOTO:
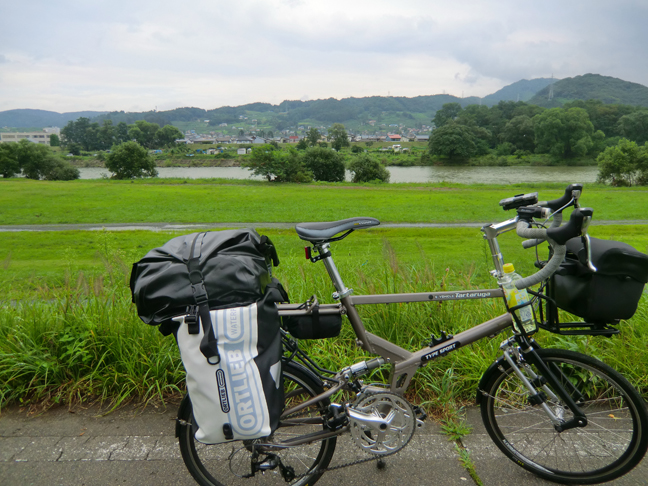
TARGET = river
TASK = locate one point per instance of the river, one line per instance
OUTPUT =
(462, 175)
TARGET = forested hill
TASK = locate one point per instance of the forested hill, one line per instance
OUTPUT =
(41, 118)
(607, 89)
(522, 90)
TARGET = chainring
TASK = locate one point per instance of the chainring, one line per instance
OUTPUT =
(383, 423)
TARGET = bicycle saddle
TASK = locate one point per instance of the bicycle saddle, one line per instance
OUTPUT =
(322, 232)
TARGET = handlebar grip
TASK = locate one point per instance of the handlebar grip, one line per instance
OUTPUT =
(556, 204)
(573, 227)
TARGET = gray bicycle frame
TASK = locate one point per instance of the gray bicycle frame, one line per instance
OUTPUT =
(405, 363)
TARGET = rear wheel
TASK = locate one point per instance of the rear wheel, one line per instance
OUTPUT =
(613, 442)
(227, 464)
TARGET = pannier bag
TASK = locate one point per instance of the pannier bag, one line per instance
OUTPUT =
(610, 294)
(241, 397)
(233, 264)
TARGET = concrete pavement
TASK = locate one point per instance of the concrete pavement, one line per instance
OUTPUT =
(135, 447)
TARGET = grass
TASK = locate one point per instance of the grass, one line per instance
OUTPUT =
(69, 333)
(201, 201)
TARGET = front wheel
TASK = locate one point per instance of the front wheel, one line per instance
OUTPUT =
(229, 463)
(613, 442)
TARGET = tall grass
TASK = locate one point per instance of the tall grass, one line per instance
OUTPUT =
(81, 340)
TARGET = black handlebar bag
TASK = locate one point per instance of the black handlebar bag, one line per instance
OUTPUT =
(607, 295)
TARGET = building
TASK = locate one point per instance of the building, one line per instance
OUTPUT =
(42, 137)
(393, 137)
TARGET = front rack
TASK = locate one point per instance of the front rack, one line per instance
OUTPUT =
(549, 319)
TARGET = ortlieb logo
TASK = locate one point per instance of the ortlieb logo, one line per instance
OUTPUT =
(222, 391)
(245, 393)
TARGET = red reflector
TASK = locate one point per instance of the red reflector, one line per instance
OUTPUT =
(307, 250)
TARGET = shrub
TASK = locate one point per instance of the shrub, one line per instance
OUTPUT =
(325, 164)
(626, 164)
(130, 161)
(366, 169)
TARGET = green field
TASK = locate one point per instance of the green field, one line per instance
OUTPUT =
(69, 333)
(205, 201)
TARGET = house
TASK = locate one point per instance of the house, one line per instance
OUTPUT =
(422, 138)
(259, 140)
(241, 140)
(293, 139)
(393, 137)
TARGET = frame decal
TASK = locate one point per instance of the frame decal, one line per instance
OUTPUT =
(440, 352)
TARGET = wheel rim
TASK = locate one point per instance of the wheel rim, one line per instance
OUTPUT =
(227, 463)
(609, 440)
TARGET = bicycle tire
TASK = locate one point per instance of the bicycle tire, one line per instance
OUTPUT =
(212, 465)
(613, 442)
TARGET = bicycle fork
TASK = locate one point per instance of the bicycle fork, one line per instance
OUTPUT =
(518, 360)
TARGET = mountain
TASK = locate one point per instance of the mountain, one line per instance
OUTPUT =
(41, 118)
(522, 90)
(379, 111)
(592, 86)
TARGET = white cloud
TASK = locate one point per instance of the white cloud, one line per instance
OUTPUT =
(125, 55)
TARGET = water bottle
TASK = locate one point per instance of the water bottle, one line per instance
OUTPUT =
(515, 296)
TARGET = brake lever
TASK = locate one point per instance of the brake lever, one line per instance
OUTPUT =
(585, 239)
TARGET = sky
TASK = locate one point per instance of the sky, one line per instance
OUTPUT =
(141, 55)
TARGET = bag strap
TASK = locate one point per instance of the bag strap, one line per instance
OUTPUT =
(208, 343)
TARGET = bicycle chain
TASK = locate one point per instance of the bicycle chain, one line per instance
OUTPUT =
(374, 457)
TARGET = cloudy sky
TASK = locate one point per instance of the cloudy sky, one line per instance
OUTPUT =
(136, 55)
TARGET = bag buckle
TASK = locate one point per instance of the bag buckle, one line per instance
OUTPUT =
(192, 320)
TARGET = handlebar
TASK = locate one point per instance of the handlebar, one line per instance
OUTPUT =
(556, 235)
(572, 192)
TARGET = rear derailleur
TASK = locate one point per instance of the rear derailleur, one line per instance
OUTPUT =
(266, 461)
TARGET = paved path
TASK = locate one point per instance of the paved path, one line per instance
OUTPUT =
(131, 447)
(201, 226)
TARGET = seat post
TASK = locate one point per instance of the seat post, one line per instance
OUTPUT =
(333, 272)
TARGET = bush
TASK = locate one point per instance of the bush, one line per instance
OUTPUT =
(325, 164)
(277, 165)
(356, 149)
(61, 170)
(367, 169)
(130, 161)
(626, 164)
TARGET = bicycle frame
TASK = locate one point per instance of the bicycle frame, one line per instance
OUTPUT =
(405, 363)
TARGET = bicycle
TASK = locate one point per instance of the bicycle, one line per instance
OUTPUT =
(561, 415)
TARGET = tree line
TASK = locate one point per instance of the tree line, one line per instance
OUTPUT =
(577, 129)
(83, 134)
(34, 161)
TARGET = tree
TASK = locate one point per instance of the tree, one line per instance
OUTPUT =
(325, 164)
(55, 141)
(338, 136)
(564, 133)
(625, 164)
(454, 141)
(9, 165)
(367, 169)
(447, 113)
(634, 126)
(313, 136)
(519, 132)
(144, 133)
(302, 144)
(166, 136)
(37, 162)
(129, 161)
(74, 148)
(277, 165)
